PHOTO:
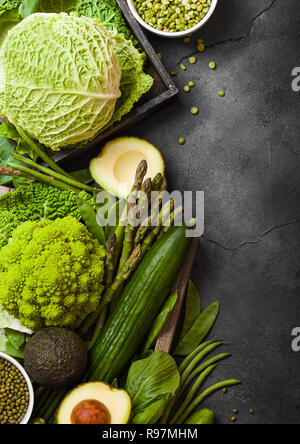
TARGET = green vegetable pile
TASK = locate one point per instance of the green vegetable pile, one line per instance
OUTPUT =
(51, 273)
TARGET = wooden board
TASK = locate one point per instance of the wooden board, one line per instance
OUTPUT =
(162, 92)
(166, 337)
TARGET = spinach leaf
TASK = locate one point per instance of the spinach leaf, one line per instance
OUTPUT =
(160, 321)
(83, 176)
(199, 330)
(8, 131)
(16, 338)
(6, 147)
(192, 308)
(7, 347)
(151, 382)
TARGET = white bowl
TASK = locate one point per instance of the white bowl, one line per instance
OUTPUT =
(28, 414)
(172, 35)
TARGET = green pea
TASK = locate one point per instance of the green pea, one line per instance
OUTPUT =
(194, 110)
(192, 60)
(212, 65)
(221, 93)
(186, 88)
(181, 141)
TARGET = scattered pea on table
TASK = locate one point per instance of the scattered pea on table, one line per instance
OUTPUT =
(194, 110)
(181, 141)
(183, 67)
(186, 88)
(192, 60)
(201, 47)
(221, 93)
(212, 65)
(191, 84)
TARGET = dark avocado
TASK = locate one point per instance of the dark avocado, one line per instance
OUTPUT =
(55, 357)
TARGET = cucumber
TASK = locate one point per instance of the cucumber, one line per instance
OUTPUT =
(138, 306)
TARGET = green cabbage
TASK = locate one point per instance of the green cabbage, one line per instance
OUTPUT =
(59, 78)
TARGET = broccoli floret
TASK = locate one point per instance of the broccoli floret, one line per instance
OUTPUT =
(51, 273)
(37, 202)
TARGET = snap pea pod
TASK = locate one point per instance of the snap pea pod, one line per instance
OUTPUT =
(204, 417)
(204, 395)
(90, 219)
(192, 308)
(199, 330)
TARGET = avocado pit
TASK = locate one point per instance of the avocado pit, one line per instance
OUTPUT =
(90, 411)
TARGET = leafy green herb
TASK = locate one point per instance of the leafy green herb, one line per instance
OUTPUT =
(83, 176)
(192, 308)
(8, 131)
(160, 321)
(16, 338)
(7, 347)
(199, 330)
(151, 382)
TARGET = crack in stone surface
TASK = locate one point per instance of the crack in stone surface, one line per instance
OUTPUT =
(245, 243)
(234, 39)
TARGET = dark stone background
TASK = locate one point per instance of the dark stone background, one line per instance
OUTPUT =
(243, 151)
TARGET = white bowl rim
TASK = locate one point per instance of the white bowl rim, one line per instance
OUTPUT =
(177, 34)
(28, 414)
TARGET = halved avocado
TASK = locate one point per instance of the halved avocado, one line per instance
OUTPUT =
(114, 169)
(95, 403)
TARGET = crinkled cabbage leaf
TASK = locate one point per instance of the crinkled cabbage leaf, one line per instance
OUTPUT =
(59, 78)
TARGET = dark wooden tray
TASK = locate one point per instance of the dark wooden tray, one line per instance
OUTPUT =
(162, 91)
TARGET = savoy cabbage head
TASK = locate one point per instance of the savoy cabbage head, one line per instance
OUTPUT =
(59, 78)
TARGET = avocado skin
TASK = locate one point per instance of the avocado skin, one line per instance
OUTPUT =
(55, 357)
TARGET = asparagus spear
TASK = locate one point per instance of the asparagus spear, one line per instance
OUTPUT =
(163, 217)
(70, 181)
(4, 171)
(147, 223)
(43, 178)
(125, 274)
(139, 177)
(173, 217)
(157, 181)
(133, 213)
(109, 264)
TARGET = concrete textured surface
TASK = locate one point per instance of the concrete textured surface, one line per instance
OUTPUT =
(243, 152)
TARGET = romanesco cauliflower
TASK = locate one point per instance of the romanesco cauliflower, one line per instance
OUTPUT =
(37, 202)
(51, 273)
